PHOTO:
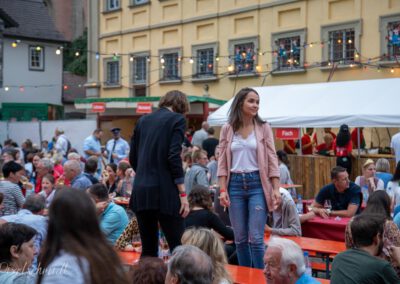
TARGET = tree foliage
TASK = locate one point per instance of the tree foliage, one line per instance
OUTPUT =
(76, 64)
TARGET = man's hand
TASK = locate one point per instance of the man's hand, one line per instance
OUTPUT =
(184, 211)
(224, 199)
(321, 212)
(267, 229)
(395, 254)
(101, 206)
(276, 199)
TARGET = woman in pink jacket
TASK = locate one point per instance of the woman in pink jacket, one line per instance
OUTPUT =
(248, 175)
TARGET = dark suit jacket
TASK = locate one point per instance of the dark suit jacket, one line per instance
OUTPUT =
(155, 155)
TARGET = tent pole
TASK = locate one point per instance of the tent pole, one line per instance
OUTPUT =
(358, 143)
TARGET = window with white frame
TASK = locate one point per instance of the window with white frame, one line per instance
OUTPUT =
(341, 42)
(341, 46)
(112, 72)
(36, 58)
(170, 65)
(139, 70)
(138, 2)
(112, 5)
(204, 67)
(243, 55)
(390, 37)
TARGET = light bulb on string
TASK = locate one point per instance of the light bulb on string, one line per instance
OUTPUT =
(97, 56)
(65, 87)
(349, 41)
(179, 59)
(77, 53)
(311, 45)
(6, 88)
(231, 68)
(162, 60)
(148, 59)
(14, 44)
(217, 58)
(392, 70)
(38, 48)
(258, 68)
(131, 58)
(58, 51)
(115, 56)
(191, 61)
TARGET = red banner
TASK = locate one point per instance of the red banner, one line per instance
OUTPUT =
(144, 107)
(287, 133)
(98, 107)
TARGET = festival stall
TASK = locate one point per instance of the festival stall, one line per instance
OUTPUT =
(364, 103)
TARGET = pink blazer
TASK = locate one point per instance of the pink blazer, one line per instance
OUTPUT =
(266, 156)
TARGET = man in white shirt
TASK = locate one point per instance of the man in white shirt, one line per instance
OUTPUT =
(200, 135)
(395, 144)
(61, 143)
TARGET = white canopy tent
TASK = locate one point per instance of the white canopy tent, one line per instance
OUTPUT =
(365, 103)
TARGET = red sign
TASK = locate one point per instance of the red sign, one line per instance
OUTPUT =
(144, 107)
(98, 107)
(287, 133)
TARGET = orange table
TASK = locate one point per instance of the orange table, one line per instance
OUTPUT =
(324, 247)
(291, 185)
(122, 201)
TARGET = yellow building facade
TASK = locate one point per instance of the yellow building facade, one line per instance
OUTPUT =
(213, 48)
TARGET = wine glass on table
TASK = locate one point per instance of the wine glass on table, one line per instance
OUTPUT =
(328, 206)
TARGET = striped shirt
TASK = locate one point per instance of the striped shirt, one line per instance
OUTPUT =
(13, 198)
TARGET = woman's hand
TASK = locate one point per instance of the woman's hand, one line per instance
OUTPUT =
(224, 199)
(184, 211)
(276, 199)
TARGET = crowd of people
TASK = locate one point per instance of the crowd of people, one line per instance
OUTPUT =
(195, 202)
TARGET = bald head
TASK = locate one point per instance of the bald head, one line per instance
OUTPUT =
(205, 125)
(72, 168)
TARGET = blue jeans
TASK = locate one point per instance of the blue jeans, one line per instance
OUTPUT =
(248, 214)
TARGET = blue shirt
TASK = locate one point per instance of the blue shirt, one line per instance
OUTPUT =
(386, 177)
(340, 201)
(121, 149)
(113, 221)
(81, 182)
(37, 222)
(91, 143)
(306, 279)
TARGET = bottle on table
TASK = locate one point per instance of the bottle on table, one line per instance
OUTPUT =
(299, 204)
(307, 263)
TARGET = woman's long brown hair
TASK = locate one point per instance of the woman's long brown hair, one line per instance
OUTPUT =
(74, 228)
(235, 112)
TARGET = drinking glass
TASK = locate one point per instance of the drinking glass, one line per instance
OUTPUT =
(328, 205)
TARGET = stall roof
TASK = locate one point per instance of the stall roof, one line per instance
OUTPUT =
(364, 103)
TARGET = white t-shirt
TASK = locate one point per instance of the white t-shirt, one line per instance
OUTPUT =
(393, 190)
(244, 154)
(395, 144)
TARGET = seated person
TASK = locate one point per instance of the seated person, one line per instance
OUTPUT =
(149, 270)
(344, 195)
(360, 263)
(198, 173)
(326, 148)
(284, 263)
(17, 253)
(113, 218)
(368, 180)
(284, 220)
(201, 215)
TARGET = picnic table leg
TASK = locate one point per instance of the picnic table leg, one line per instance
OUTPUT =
(327, 266)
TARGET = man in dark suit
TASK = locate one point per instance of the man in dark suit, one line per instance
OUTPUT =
(158, 193)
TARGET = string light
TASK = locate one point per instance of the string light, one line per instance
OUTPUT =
(231, 68)
(14, 44)
(6, 89)
(349, 41)
(191, 61)
(148, 59)
(77, 53)
(311, 45)
(217, 58)
(38, 48)
(356, 55)
(131, 58)
(65, 87)
(97, 56)
(392, 70)
(162, 60)
(258, 68)
(58, 51)
(115, 56)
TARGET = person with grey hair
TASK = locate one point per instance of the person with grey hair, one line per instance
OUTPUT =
(31, 215)
(73, 172)
(284, 263)
(189, 265)
(200, 135)
(383, 171)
